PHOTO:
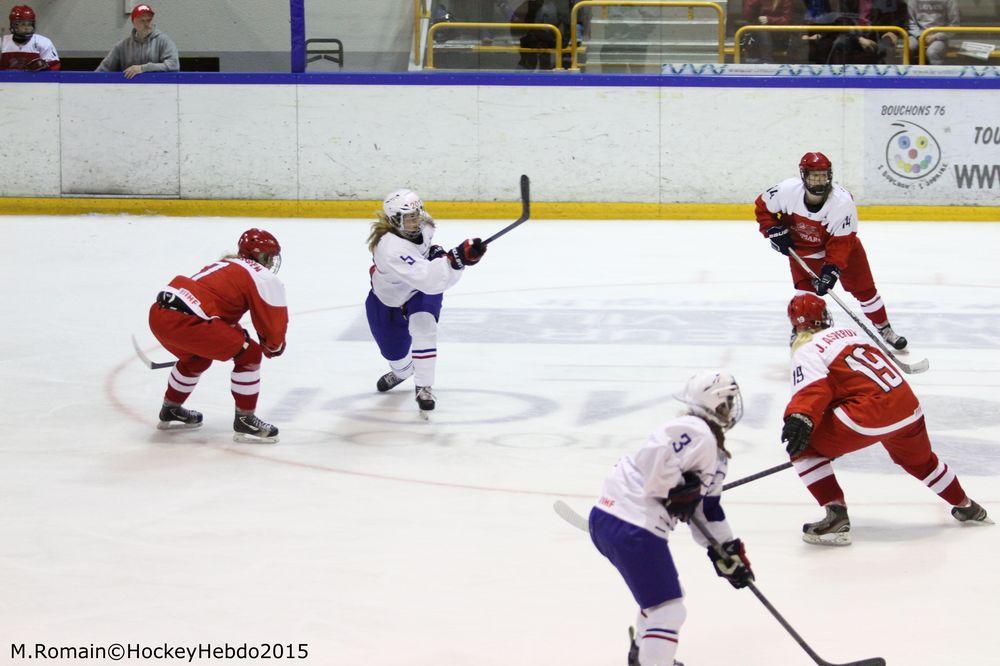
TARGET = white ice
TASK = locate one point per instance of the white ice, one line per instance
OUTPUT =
(379, 539)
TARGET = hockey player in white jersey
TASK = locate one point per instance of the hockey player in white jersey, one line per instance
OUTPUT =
(409, 277)
(677, 473)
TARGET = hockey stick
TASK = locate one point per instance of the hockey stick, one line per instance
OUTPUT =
(152, 365)
(911, 369)
(567, 513)
(873, 661)
(525, 211)
(759, 475)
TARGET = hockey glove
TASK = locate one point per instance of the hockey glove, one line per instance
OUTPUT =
(781, 238)
(795, 433)
(271, 352)
(38, 65)
(467, 254)
(732, 563)
(435, 252)
(828, 277)
(683, 499)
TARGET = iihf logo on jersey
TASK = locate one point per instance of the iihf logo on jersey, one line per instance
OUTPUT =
(912, 156)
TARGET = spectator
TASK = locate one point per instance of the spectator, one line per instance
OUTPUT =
(147, 49)
(825, 12)
(25, 49)
(760, 46)
(541, 12)
(932, 14)
(871, 47)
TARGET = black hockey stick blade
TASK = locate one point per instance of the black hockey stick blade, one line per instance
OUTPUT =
(152, 365)
(525, 211)
(922, 365)
(759, 475)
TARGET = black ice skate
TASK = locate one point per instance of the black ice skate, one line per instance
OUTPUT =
(389, 381)
(251, 430)
(974, 513)
(897, 342)
(176, 417)
(833, 530)
(425, 400)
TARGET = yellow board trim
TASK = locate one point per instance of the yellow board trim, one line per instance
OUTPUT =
(458, 209)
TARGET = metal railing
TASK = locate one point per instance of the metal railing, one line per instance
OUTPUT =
(904, 40)
(421, 10)
(922, 42)
(557, 50)
(574, 37)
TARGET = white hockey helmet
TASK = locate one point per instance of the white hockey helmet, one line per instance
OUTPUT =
(405, 211)
(715, 396)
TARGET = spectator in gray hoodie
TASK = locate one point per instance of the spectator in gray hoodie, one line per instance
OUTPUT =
(932, 14)
(145, 50)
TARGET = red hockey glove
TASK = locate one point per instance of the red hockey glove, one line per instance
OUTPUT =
(467, 254)
(271, 352)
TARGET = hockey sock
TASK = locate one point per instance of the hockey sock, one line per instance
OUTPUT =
(183, 379)
(874, 308)
(937, 476)
(245, 378)
(660, 632)
(402, 368)
(817, 473)
(423, 330)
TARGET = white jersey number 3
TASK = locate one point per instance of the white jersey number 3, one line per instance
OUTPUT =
(874, 367)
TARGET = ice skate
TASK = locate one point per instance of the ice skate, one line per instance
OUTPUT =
(897, 342)
(833, 530)
(251, 430)
(633, 650)
(972, 514)
(389, 381)
(176, 417)
(425, 400)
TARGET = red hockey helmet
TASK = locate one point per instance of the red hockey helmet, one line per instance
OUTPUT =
(808, 312)
(261, 246)
(20, 15)
(816, 171)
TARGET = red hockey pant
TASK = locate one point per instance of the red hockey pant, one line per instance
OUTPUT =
(909, 447)
(856, 279)
(196, 342)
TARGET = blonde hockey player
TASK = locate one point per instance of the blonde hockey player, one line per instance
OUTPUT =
(678, 473)
(409, 277)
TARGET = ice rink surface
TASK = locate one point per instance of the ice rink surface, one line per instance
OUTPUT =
(379, 539)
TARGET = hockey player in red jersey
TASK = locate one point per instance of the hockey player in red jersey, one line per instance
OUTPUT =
(818, 219)
(847, 396)
(197, 320)
(23, 48)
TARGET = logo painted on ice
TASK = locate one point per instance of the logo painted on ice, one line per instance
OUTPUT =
(912, 152)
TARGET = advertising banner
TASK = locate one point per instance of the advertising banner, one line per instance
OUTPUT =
(932, 147)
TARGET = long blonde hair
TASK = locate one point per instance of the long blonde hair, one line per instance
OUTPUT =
(380, 227)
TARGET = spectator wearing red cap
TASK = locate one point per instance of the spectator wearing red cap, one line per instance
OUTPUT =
(24, 48)
(147, 49)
